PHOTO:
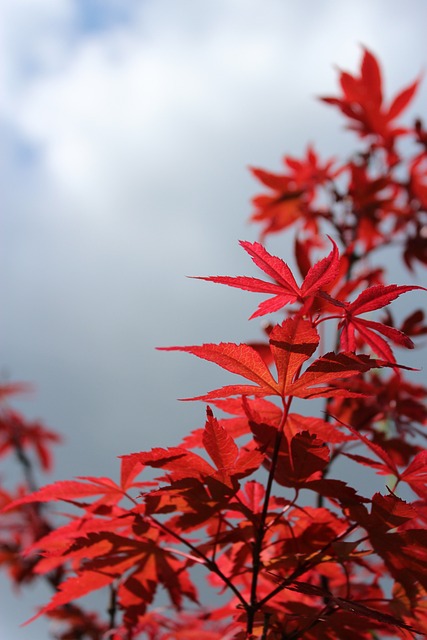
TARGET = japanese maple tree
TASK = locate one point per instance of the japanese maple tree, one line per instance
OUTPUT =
(257, 497)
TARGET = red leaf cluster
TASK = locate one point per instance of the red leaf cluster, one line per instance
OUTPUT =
(259, 498)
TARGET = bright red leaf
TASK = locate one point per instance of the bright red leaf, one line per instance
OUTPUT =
(284, 288)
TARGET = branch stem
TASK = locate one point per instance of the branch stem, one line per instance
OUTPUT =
(257, 547)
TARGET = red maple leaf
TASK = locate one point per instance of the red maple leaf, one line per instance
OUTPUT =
(138, 565)
(8, 389)
(292, 343)
(18, 433)
(71, 490)
(374, 199)
(416, 474)
(292, 194)
(362, 102)
(230, 462)
(284, 287)
(373, 298)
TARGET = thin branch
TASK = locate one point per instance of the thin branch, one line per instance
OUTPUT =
(306, 566)
(257, 547)
(210, 564)
(112, 608)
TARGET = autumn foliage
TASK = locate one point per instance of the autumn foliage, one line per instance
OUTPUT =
(258, 498)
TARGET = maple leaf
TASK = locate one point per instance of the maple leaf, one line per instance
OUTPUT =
(240, 359)
(415, 249)
(8, 389)
(293, 193)
(18, 433)
(284, 288)
(418, 179)
(292, 343)
(392, 400)
(332, 367)
(416, 474)
(362, 102)
(389, 512)
(307, 457)
(74, 588)
(414, 325)
(373, 200)
(326, 431)
(387, 466)
(351, 606)
(109, 557)
(335, 490)
(403, 549)
(371, 299)
(225, 454)
(242, 409)
(300, 458)
(74, 620)
(70, 490)
(230, 462)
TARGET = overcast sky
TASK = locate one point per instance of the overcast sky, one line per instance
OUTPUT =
(127, 128)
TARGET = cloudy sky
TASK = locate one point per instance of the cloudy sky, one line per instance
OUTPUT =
(127, 127)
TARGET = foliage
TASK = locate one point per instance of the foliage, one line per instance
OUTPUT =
(253, 497)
